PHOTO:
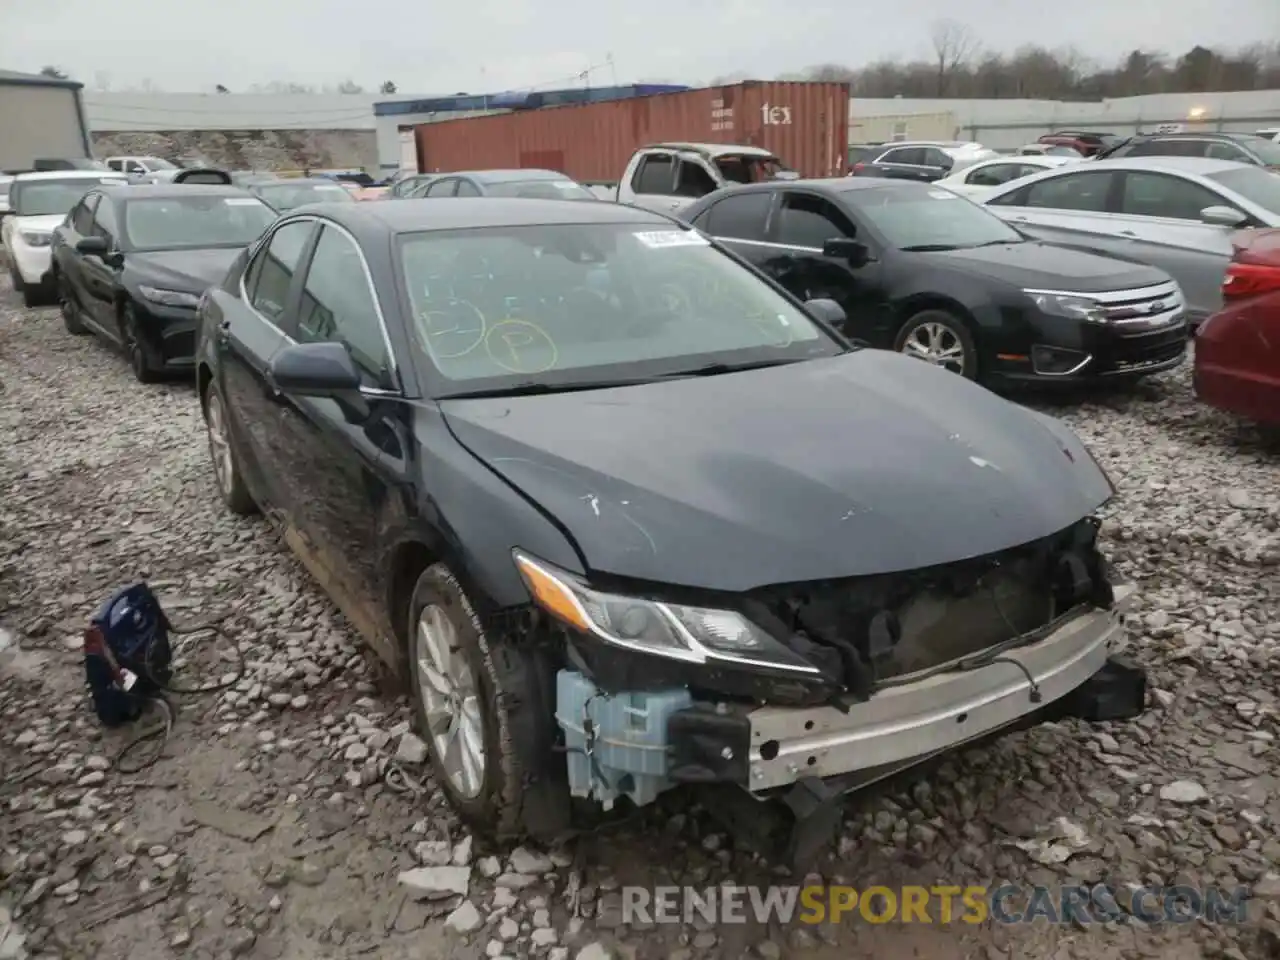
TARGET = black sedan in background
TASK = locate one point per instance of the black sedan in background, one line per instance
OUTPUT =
(285, 193)
(925, 272)
(542, 453)
(130, 264)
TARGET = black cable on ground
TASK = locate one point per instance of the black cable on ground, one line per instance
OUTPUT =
(162, 730)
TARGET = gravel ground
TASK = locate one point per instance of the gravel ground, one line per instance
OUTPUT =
(268, 829)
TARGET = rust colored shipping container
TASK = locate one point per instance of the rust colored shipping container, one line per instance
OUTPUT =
(804, 124)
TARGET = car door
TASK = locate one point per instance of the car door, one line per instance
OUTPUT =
(903, 163)
(334, 461)
(100, 274)
(654, 182)
(79, 224)
(1160, 213)
(251, 331)
(801, 225)
(1073, 209)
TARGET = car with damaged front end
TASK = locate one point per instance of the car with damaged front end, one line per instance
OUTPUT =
(627, 515)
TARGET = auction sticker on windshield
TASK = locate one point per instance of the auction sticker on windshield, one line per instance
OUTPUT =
(944, 195)
(672, 238)
(242, 202)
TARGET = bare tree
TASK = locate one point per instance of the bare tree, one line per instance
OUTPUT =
(953, 46)
(349, 86)
(738, 76)
(388, 87)
(220, 89)
(55, 72)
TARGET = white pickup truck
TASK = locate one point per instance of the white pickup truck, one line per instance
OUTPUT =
(668, 176)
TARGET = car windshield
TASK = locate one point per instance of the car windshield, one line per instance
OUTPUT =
(39, 198)
(929, 218)
(286, 196)
(156, 163)
(539, 190)
(1255, 185)
(567, 305)
(176, 223)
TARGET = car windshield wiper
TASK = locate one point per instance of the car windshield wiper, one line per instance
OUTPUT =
(997, 243)
(530, 388)
(715, 369)
(929, 247)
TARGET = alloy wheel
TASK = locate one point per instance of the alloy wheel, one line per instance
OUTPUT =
(938, 344)
(219, 442)
(451, 702)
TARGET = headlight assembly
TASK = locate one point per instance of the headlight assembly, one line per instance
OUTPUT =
(169, 298)
(1067, 305)
(34, 239)
(697, 635)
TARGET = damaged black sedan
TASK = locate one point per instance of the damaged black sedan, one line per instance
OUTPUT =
(626, 515)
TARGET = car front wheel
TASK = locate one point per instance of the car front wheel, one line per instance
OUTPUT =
(69, 307)
(485, 708)
(226, 468)
(941, 338)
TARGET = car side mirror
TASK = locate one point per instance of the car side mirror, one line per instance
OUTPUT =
(843, 248)
(314, 370)
(828, 311)
(93, 247)
(1223, 216)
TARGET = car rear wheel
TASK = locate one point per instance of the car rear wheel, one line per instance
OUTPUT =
(144, 371)
(485, 708)
(70, 309)
(941, 338)
(226, 468)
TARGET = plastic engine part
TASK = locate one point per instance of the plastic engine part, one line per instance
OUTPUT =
(616, 744)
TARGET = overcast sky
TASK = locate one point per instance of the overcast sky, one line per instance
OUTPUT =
(476, 45)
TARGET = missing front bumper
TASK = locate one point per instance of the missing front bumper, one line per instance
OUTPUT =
(934, 714)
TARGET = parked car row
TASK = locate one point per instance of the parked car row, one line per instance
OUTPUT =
(440, 403)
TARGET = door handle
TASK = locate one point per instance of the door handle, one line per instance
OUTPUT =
(1127, 233)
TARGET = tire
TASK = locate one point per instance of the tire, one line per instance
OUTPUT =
(520, 789)
(70, 309)
(135, 347)
(222, 452)
(949, 336)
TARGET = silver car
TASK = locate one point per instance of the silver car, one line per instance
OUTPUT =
(1175, 213)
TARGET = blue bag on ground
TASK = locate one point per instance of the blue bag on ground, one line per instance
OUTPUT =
(127, 656)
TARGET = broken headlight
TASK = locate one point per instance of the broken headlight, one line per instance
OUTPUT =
(686, 633)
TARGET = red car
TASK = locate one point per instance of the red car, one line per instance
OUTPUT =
(1237, 356)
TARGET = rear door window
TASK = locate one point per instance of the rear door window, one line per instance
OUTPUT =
(1086, 192)
(692, 180)
(740, 217)
(270, 275)
(912, 156)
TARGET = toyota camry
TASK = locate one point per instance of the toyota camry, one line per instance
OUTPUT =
(625, 514)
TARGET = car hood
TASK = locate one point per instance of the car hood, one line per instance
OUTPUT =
(1033, 264)
(865, 463)
(188, 270)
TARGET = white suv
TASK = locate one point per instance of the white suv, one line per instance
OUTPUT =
(142, 166)
(39, 203)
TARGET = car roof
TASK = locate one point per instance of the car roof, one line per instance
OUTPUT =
(713, 149)
(1198, 135)
(369, 219)
(1200, 166)
(73, 175)
(164, 191)
(268, 180)
(504, 176)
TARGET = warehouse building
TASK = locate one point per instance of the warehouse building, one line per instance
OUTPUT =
(40, 117)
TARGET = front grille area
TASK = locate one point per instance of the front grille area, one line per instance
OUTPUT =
(867, 630)
(1150, 308)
